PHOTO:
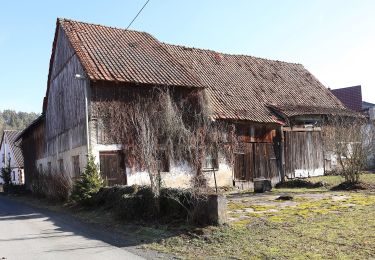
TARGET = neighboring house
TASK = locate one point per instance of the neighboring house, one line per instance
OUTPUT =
(11, 151)
(276, 107)
(351, 97)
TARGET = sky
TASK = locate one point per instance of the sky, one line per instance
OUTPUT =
(333, 39)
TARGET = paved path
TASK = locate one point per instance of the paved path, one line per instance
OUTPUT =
(28, 233)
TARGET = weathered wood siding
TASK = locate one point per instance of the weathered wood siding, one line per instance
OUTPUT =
(112, 167)
(303, 154)
(257, 160)
(258, 153)
(33, 148)
(65, 115)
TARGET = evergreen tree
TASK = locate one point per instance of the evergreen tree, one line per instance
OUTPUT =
(6, 175)
(89, 182)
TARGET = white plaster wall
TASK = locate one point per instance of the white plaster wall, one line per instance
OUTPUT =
(370, 130)
(97, 148)
(67, 159)
(303, 173)
(139, 178)
(224, 176)
(181, 175)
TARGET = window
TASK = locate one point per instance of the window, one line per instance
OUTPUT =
(40, 168)
(76, 168)
(211, 161)
(163, 160)
(3, 160)
(49, 168)
(61, 166)
(14, 176)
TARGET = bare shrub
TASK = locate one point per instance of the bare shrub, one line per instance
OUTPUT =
(351, 141)
(54, 186)
(192, 200)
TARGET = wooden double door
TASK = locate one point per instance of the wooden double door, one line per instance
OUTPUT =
(254, 161)
(112, 167)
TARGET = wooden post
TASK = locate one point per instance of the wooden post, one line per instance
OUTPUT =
(281, 154)
(213, 168)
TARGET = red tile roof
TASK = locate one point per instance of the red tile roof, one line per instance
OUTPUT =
(239, 87)
(351, 97)
(112, 54)
(243, 87)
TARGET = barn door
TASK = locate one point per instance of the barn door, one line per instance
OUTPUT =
(258, 160)
(112, 167)
(303, 154)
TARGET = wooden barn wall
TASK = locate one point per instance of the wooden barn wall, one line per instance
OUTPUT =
(257, 160)
(33, 148)
(65, 115)
(256, 133)
(258, 154)
(63, 53)
(303, 153)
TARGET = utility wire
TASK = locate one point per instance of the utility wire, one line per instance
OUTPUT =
(137, 14)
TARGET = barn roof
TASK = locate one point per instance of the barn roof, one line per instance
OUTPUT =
(238, 87)
(11, 136)
(244, 87)
(112, 54)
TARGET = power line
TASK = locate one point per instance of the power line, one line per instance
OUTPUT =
(137, 14)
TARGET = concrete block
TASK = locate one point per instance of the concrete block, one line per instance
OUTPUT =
(217, 209)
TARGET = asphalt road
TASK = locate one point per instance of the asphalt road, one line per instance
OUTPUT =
(29, 233)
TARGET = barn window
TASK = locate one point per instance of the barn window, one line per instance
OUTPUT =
(61, 166)
(211, 161)
(163, 160)
(76, 168)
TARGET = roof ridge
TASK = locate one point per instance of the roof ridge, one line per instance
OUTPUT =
(176, 45)
(230, 54)
(100, 25)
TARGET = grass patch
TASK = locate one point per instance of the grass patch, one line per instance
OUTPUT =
(328, 236)
(316, 224)
(336, 180)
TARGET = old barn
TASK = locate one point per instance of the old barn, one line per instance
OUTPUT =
(276, 108)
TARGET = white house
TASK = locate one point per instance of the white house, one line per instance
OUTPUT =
(10, 150)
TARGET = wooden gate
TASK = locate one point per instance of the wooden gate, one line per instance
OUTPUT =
(303, 154)
(112, 167)
(257, 160)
